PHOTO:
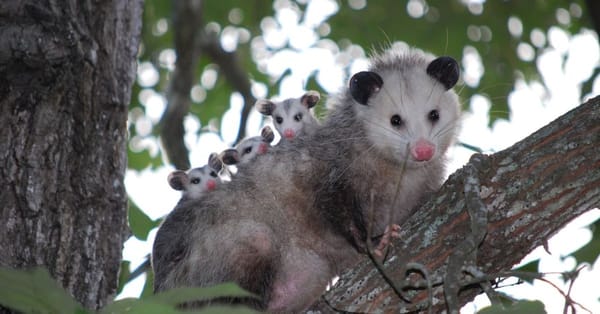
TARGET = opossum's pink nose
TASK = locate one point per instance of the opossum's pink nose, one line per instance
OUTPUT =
(423, 150)
(211, 185)
(262, 148)
(289, 134)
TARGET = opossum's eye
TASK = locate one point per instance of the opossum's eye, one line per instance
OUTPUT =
(213, 174)
(195, 180)
(298, 117)
(433, 116)
(279, 119)
(396, 121)
(247, 150)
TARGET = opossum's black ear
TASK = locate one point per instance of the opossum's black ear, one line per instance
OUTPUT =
(445, 70)
(230, 156)
(363, 85)
(178, 180)
(264, 106)
(214, 162)
(310, 99)
(267, 134)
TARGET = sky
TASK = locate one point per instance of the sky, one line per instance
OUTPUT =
(568, 61)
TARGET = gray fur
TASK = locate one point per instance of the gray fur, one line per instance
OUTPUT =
(299, 215)
(249, 149)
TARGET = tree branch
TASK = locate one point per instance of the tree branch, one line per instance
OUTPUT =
(187, 24)
(529, 191)
(235, 74)
(593, 8)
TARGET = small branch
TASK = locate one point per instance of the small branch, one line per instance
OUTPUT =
(593, 8)
(187, 23)
(143, 268)
(485, 284)
(569, 302)
(235, 74)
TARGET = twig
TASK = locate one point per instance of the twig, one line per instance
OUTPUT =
(485, 285)
(529, 275)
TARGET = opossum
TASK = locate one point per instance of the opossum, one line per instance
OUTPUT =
(300, 214)
(197, 181)
(248, 149)
(291, 117)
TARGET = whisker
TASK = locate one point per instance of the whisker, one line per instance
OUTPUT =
(350, 164)
(393, 133)
(449, 127)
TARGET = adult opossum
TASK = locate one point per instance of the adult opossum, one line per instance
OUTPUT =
(298, 216)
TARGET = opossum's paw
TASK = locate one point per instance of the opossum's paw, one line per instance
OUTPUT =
(391, 231)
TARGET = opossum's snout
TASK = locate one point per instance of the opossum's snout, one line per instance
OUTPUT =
(289, 134)
(423, 150)
(262, 148)
(211, 185)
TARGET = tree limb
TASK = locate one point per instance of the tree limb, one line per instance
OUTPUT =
(234, 72)
(530, 191)
(593, 8)
(187, 24)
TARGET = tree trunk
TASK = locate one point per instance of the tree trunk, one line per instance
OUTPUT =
(484, 220)
(66, 70)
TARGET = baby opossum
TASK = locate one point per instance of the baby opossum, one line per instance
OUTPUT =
(249, 148)
(291, 117)
(197, 181)
(300, 213)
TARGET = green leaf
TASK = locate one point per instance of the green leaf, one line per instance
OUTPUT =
(142, 160)
(148, 289)
(590, 252)
(522, 306)
(35, 291)
(225, 310)
(132, 305)
(505, 299)
(181, 295)
(139, 223)
(531, 267)
(123, 275)
(137, 306)
(168, 301)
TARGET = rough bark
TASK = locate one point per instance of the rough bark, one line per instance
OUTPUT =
(513, 202)
(66, 70)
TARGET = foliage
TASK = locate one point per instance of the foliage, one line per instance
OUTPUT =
(139, 223)
(589, 252)
(442, 27)
(35, 291)
(529, 307)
